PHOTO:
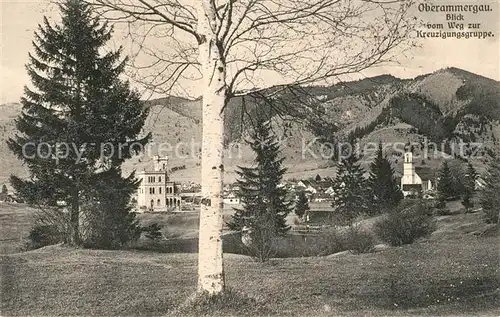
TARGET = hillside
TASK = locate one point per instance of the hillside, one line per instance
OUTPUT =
(452, 108)
(452, 273)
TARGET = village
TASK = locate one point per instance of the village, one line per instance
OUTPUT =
(248, 158)
(159, 193)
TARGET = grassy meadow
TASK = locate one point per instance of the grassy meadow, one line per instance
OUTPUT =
(454, 272)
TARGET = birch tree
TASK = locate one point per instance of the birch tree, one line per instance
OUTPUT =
(226, 48)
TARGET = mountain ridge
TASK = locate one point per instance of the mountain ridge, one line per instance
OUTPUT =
(449, 105)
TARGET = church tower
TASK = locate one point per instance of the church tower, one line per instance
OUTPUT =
(408, 169)
(411, 181)
(160, 163)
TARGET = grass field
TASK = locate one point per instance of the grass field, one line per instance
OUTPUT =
(453, 273)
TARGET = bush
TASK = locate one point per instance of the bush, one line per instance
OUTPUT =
(358, 240)
(42, 235)
(291, 245)
(406, 224)
(327, 243)
(441, 209)
(108, 228)
(153, 233)
(51, 226)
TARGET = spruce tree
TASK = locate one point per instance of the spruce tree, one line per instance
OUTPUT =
(383, 185)
(265, 204)
(352, 194)
(489, 197)
(469, 187)
(302, 205)
(79, 120)
(445, 185)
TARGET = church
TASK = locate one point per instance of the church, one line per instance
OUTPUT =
(415, 181)
(156, 192)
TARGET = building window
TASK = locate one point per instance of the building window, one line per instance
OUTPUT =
(153, 190)
(158, 202)
(159, 188)
(159, 179)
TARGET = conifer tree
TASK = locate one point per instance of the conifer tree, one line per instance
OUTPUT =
(383, 185)
(79, 120)
(302, 205)
(265, 204)
(352, 194)
(469, 187)
(445, 185)
(489, 197)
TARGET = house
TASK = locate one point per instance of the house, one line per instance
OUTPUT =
(415, 181)
(156, 192)
(231, 199)
(307, 186)
(316, 191)
(8, 198)
(330, 191)
(321, 197)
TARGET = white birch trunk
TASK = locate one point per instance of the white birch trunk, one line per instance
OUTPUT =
(210, 266)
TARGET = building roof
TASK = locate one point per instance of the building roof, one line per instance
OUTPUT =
(318, 185)
(152, 172)
(425, 173)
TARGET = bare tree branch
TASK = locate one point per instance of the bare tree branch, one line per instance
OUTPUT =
(265, 50)
(294, 41)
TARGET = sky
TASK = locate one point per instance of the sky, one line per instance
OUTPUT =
(19, 19)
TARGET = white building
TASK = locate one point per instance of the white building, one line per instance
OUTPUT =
(415, 182)
(156, 192)
(307, 186)
(231, 199)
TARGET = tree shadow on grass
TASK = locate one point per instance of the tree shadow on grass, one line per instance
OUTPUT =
(446, 295)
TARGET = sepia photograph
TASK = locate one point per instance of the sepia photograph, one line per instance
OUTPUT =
(250, 158)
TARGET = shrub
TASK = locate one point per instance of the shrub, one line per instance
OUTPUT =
(262, 243)
(108, 228)
(51, 226)
(291, 245)
(358, 240)
(153, 232)
(441, 209)
(327, 243)
(406, 224)
(42, 235)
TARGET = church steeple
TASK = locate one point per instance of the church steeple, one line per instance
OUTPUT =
(160, 163)
(408, 169)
